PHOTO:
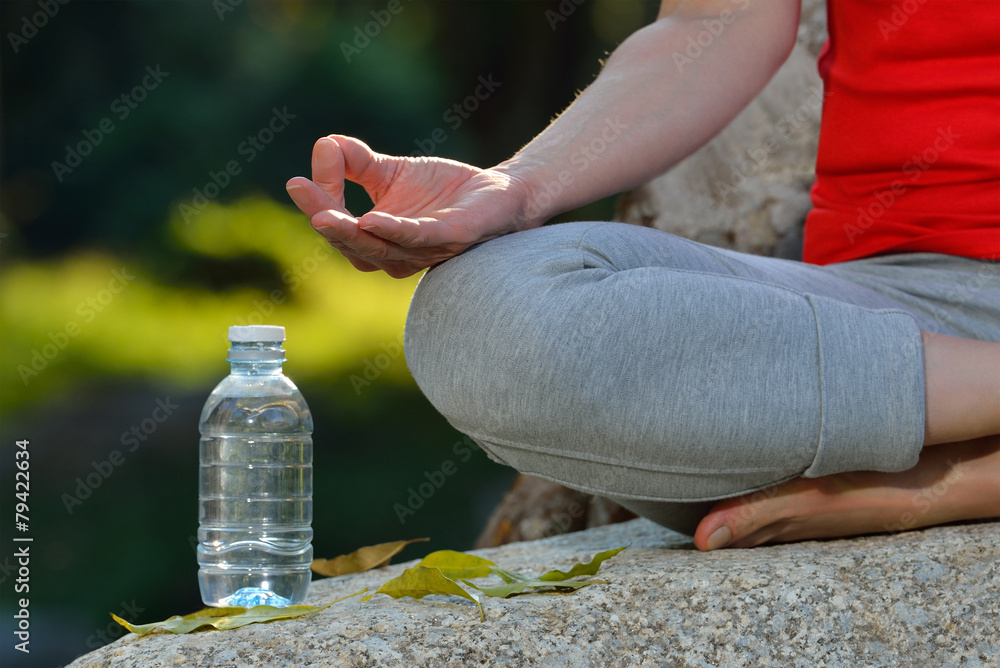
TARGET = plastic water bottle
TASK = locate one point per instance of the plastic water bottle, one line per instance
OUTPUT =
(255, 493)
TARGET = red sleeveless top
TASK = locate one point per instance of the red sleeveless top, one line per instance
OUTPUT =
(909, 147)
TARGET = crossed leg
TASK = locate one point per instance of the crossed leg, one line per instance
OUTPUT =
(627, 363)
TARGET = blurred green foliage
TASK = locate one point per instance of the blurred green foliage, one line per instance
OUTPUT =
(91, 313)
(115, 119)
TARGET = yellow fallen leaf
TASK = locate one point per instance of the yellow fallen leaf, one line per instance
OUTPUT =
(421, 581)
(551, 582)
(590, 568)
(458, 565)
(223, 619)
(533, 586)
(362, 559)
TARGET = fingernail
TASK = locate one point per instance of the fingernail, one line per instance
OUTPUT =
(296, 192)
(720, 538)
(326, 153)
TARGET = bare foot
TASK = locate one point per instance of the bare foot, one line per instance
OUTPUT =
(956, 481)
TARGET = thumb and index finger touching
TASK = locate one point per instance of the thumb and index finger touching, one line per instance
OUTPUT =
(337, 158)
(334, 159)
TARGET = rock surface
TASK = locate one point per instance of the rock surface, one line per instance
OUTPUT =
(925, 598)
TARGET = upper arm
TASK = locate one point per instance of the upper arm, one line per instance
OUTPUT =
(775, 21)
(716, 8)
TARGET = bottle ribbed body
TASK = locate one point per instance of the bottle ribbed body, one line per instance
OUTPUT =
(255, 489)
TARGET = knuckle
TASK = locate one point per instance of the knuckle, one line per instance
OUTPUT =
(344, 250)
(410, 236)
(373, 253)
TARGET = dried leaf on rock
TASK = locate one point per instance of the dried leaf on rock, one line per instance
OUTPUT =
(421, 581)
(362, 559)
(223, 619)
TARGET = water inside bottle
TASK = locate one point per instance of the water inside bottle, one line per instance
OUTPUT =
(255, 502)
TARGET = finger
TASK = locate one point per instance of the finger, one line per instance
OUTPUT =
(373, 171)
(342, 232)
(310, 198)
(328, 170)
(297, 191)
(334, 231)
(411, 232)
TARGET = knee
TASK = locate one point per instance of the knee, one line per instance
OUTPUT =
(452, 331)
(476, 321)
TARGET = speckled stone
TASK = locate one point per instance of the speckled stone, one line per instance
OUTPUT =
(923, 598)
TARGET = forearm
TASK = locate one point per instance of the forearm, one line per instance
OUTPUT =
(657, 100)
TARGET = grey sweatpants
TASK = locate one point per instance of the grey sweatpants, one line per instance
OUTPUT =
(639, 366)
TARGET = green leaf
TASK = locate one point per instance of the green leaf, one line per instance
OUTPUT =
(507, 576)
(509, 589)
(458, 565)
(554, 581)
(438, 571)
(362, 559)
(420, 581)
(223, 619)
(589, 568)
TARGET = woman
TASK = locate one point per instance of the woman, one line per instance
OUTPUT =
(760, 399)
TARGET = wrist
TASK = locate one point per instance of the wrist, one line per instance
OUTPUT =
(534, 205)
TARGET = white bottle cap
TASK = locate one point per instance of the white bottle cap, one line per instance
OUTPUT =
(256, 333)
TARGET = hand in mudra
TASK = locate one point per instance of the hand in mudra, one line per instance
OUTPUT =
(425, 211)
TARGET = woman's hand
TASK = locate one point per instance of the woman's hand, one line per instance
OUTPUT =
(426, 210)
